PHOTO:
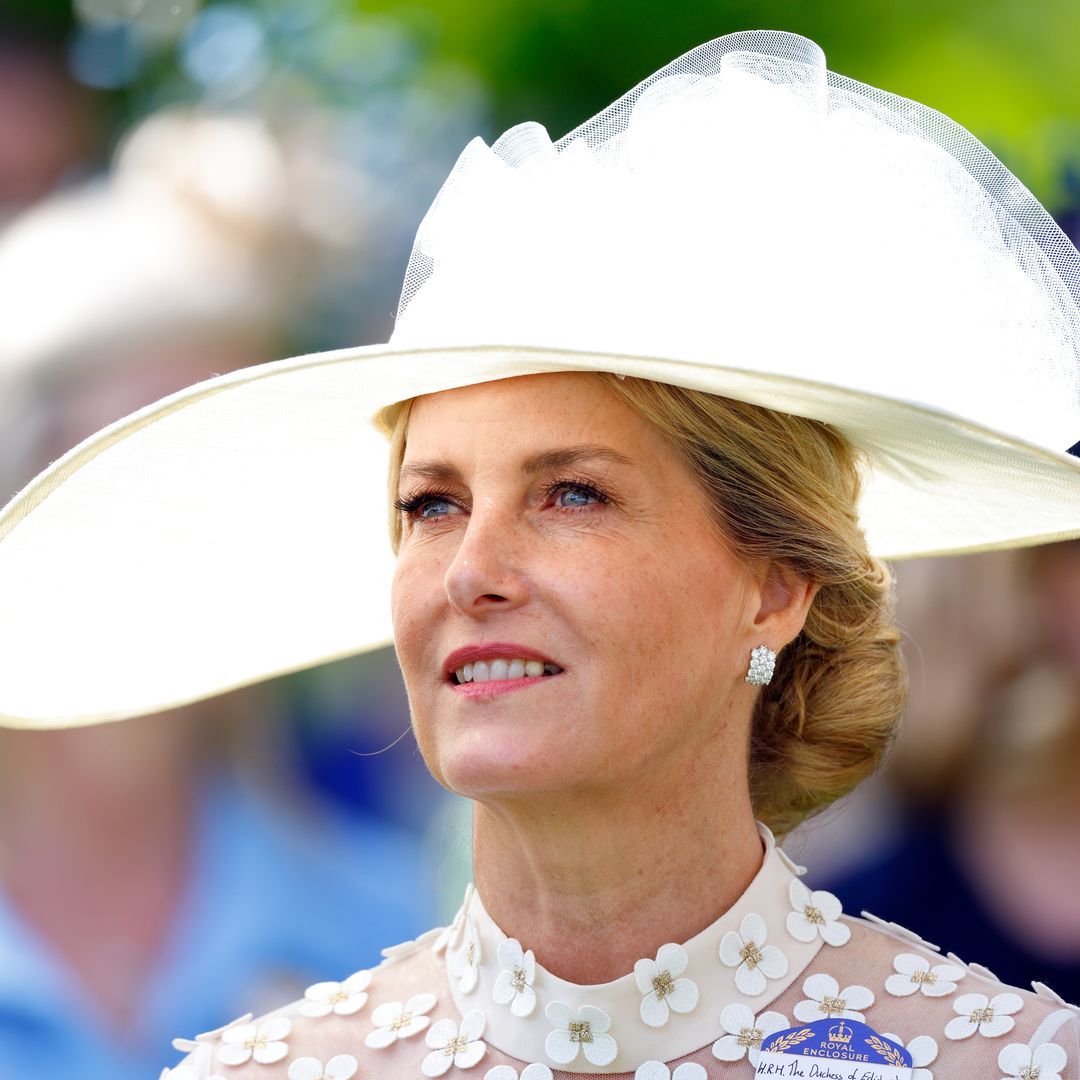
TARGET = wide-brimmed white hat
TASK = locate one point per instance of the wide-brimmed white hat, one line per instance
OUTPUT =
(743, 222)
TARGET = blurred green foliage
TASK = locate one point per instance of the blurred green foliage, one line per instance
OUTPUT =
(1008, 70)
(37, 18)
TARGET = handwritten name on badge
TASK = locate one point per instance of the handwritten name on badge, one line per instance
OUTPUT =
(833, 1050)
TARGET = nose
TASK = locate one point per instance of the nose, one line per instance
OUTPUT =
(489, 570)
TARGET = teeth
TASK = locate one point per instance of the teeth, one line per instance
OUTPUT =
(497, 670)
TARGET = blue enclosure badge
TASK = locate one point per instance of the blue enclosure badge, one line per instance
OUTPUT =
(833, 1050)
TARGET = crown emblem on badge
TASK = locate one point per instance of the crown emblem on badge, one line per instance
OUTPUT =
(841, 1033)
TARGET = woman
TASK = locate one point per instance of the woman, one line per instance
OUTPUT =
(649, 439)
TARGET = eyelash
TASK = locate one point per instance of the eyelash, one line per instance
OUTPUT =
(414, 503)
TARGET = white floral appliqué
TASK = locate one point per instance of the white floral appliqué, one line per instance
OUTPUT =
(991, 1017)
(454, 1044)
(923, 1050)
(745, 1032)
(1045, 1062)
(1045, 991)
(790, 863)
(753, 960)
(395, 1020)
(264, 1042)
(664, 991)
(825, 1000)
(815, 913)
(657, 1070)
(536, 1071)
(585, 1030)
(342, 998)
(393, 953)
(188, 1045)
(513, 985)
(914, 975)
(339, 1067)
(466, 965)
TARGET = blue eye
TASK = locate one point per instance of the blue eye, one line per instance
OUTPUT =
(415, 505)
(578, 489)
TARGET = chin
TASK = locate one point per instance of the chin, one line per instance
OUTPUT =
(488, 765)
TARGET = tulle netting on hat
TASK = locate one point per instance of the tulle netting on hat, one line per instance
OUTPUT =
(746, 206)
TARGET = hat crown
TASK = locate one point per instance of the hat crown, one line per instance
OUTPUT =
(745, 206)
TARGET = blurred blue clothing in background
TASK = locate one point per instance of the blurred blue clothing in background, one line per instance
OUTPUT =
(919, 883)
(273, 904)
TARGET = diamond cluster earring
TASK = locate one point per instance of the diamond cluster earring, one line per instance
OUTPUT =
(762, 664)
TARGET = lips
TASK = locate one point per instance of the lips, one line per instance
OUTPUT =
(491, 650)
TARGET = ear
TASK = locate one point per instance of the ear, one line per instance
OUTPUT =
(783, 600)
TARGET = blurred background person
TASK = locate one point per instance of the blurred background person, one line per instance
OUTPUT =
(982, 851)
(51, 126)
(273, 159)
(152, 873)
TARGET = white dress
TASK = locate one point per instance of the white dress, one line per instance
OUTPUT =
(469, 1003)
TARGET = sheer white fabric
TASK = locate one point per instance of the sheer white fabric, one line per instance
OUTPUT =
(466, 1001)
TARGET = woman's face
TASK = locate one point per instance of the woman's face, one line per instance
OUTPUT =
(604, 565)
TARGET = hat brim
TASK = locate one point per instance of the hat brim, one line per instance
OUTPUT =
(237, 530)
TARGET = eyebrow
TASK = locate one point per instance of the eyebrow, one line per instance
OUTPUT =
(561, 458)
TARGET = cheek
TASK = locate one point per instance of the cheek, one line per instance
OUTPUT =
(671, 602)
(410, 603)
(657, 626)
(612, 602)
(679, 629)
(410, 599)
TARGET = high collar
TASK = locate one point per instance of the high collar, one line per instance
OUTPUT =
(667, 1007)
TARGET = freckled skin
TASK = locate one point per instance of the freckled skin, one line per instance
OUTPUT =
(612, 807)
(649, 614)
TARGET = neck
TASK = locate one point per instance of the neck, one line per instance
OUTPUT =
(593, 882)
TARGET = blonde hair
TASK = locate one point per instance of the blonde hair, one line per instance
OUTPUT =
(783, 490)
